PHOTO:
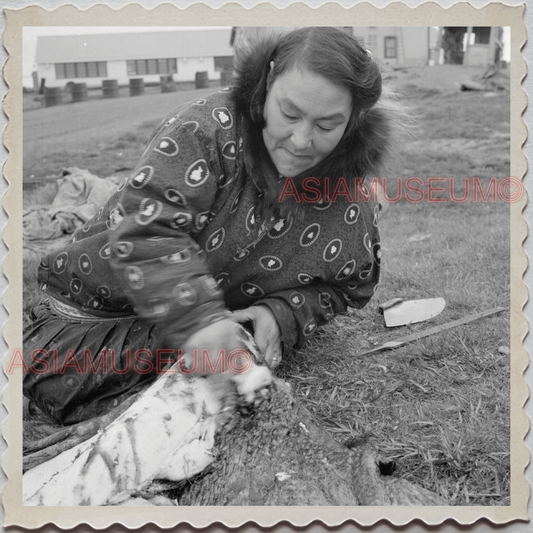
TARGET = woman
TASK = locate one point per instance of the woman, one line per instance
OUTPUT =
(207, 225)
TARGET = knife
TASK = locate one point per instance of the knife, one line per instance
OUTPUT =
(426, 333)
(398, 312)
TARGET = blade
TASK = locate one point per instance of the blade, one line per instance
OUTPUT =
(426, 333)
(409, 312)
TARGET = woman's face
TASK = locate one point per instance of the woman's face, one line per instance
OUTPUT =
(306, 116)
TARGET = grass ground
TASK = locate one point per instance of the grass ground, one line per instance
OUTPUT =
(438, 407)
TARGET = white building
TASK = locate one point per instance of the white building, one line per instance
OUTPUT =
(121, 56)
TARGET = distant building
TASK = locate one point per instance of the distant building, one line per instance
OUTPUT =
(391, 46)
(121, 56)
(396, 47)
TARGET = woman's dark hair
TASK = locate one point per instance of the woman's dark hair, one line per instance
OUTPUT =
(375, 127)
(330, 52)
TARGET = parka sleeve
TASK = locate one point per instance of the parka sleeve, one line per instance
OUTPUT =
(299, 311)
(162, 207)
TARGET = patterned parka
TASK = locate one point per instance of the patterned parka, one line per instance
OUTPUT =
(185, 238)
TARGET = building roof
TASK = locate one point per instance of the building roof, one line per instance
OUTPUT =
(142, 45)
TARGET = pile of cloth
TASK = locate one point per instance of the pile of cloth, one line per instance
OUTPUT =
(80, 194)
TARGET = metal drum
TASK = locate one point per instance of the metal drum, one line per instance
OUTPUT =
(110, 88)
(79, 92)
(136, 86)
(202, 80)
(52, 96)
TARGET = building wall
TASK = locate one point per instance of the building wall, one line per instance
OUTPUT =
(118, 70)
(412, 44)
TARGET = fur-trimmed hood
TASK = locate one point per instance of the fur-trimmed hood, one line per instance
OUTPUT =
(360, 153)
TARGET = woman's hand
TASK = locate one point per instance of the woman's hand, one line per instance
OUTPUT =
(208, 342)
(267, 334)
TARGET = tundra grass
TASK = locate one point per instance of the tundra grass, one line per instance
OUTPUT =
(439, 407)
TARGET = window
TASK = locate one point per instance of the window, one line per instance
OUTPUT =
(482, 34)
(141, 67)
(223, 63)
(391, 48)
(92, 69)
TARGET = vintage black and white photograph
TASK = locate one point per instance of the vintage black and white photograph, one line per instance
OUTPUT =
(266, 266)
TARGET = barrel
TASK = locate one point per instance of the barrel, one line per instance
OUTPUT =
(167, 84)
(136, 86)
(52, 96)
(202, 80)
(110, 88)
(79, 92)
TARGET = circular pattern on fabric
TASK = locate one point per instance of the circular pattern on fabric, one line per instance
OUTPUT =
(353, 287)
(191, 125)
(116, 216)
(215, 240)
(376, 252)
(176, 197)
(304, 278)
(280, 228)
(197, 174)
(222, 278)
(104, 290)
(180, 219)
(157, 307)
(123, 249)
(324, 300)
(76, 285)
(43, 286)
(167, 146)
(346, 271)
(322, 205)
(85, 264)
(134, 277)
(223, 117)
(368, 243)
(297, 299)
(252, 290)
(60, 262)
(310, 235)
(199, 103)
(365, 273)
(249, 221)
(209, 285)
(70, 382)
(271, 263)
(241, 254)
(236, 201)
(201, 219)
(105, 252)
(351, 215)
(376, 215)
(95, 303)
(179, 257)
(100, 213)
(149, 210)
(332, 250)
(309, 327)
(229, 150)
(142, 177)
(184, 294)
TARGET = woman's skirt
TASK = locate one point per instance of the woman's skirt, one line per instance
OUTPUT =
(80, 366)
